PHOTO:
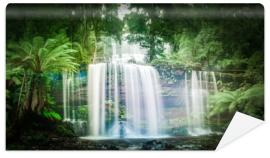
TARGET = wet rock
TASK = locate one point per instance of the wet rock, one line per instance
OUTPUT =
(156, 145)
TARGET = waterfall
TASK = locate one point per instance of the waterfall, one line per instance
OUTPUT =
(196, 93)
(141, 97)
(124, 100)
(143, 101)
(68, 97)
(96, 98)
(116, 127)
(132, 97)
(64, 79)
(72, 99)
(214, 81)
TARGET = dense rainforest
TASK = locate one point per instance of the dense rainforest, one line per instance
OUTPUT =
(45, 40)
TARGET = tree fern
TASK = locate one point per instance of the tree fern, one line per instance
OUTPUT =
(38, 57)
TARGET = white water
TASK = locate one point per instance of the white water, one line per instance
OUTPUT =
(71, 97)
(196, 95)
(124, 100)
(140, 94)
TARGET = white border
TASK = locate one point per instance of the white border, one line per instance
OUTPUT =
(254, 144)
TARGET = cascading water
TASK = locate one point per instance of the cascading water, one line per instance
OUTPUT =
(196, 96)
(126, 100)
(135, 86)
(72, 97)
(143, 99)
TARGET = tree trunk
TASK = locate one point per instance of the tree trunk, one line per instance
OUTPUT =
(35, 97)
(19, 105)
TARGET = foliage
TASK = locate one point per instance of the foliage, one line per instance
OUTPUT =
(196, 40)
(41, 46)
(143, 28)
(51, 115)
(247, 100)
(13, 75)
(36, 59)
(122, 113)
(40, 56)
(83, 112)
(94, 22)
(195, 51)
(65, 130)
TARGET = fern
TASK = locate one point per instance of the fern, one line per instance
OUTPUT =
(253, 101)
(51, 115)
(39, 57)
(249, 101)
(223, 102)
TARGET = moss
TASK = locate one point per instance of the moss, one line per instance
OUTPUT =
(65, 130)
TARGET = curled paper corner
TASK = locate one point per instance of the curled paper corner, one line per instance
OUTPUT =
(240, 125)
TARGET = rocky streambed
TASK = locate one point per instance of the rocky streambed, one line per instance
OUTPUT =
(205, 142)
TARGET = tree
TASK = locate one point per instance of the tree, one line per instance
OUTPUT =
(84, 24)
(145, 28)
(37, 58)
(90, 24)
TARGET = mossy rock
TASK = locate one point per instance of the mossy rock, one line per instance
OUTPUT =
(65, 130)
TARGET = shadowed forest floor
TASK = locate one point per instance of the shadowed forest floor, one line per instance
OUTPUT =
(206, 142)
